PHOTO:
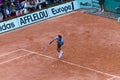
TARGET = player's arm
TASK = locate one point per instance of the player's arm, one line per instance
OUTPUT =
(51, 41)
(56, 38)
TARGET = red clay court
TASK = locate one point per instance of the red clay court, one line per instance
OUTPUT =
(91, 50)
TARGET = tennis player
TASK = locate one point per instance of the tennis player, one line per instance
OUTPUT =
(60, 42)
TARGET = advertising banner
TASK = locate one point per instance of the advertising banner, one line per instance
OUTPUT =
(33, 17)
(46, 13)
(61, 9)
(8, 25)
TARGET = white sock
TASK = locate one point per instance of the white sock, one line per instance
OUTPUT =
(102, 10)
(60, 54)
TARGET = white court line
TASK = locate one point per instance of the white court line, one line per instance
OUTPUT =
(39, 54)
(112, 78)
(4, 54)
(70, 63)
(14, 58)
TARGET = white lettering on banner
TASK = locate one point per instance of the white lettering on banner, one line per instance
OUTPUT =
(33, 17)
(63, 8)
(7, 26)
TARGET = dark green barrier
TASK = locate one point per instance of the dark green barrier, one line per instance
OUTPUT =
(88, 4)
(112, 5)
(84, 3)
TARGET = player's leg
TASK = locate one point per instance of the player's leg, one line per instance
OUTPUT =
(101, 5)
(58, 48)
(60, 52)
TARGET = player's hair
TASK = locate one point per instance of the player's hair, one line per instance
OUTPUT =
(59, 36)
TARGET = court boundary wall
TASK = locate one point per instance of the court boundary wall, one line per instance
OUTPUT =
(38, 16)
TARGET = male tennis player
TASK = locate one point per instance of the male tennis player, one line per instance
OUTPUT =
(60, 42)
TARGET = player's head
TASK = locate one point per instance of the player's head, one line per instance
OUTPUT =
(59, 36)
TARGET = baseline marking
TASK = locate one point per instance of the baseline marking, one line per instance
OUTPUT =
(112, 78)
(39, 54)
(15, 58)
(70, 63)
(10, 52)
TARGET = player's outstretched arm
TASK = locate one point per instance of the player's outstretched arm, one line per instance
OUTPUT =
(51, 42)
